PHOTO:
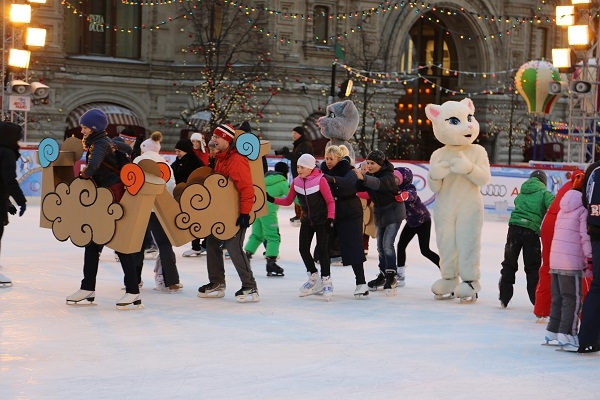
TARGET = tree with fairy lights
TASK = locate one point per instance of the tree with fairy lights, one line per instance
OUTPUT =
(228, 42)
(369, 52)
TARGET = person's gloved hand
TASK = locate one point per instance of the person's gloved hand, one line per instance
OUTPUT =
(401, 197)
(330, 224)
(588, 272)
(330, 179)
(10, 207)
(270, 198)
(22, 209)
(243, 221)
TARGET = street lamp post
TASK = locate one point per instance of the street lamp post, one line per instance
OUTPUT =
(583, 39)
(20, 91)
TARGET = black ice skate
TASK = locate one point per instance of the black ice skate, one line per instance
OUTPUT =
(272, 268)
(391, 283)
(377, 283)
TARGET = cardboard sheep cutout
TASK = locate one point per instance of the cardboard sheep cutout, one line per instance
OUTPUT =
(456, 173)
(339, 125)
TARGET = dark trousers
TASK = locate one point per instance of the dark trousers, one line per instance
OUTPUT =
(129, 264)
(589, 331)
(307, 232)
(165, 251)
(519, 238)
(423, 233)
(566, 304)
(216, 266)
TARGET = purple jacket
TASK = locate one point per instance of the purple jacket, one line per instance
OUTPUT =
(571, 243)
(416, 212)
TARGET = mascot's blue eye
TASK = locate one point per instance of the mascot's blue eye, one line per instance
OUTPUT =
(469, 117)
(453, 120)
(331, 115)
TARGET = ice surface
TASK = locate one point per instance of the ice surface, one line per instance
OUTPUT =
(285, 347)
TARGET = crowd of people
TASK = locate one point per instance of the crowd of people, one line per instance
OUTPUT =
(328, 198)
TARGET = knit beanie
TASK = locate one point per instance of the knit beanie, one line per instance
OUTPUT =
(299, 130)
(282, 168)
(377, 156)
(153, 143)
(307, 161)
(94, 119)
(225, 131)
(541, 175)
(185, 145)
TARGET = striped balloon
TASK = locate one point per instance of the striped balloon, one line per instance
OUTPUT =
(532, 82)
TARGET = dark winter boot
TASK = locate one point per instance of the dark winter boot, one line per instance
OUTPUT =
(391, 283)
(505, 293)
(272, 268)
(377, 283)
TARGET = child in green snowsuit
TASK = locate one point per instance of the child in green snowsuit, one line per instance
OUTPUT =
(266, 229)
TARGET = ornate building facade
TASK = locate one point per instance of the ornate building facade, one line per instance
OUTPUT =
(147, 64)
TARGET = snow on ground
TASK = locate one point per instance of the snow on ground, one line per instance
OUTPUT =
(284, 347)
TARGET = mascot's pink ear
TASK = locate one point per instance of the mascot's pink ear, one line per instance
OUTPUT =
(469, 103)
(432, 111)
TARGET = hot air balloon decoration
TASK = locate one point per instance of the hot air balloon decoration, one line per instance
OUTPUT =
(532, 82)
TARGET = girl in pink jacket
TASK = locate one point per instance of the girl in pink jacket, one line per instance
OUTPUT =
(570, 250)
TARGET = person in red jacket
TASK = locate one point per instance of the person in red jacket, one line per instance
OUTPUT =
(232, 164)
(543, 297)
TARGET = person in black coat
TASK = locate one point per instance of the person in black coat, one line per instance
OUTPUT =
(10, 134)
(348, 212)
(186, 162)
(302, 145)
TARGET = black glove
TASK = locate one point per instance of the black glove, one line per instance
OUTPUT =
(330, 179)
(10, 207)
(330, 224)
(243, 221)
(270, 198)
(22, 209)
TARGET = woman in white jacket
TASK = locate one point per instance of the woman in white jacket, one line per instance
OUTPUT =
(570, 251)
(166, 274)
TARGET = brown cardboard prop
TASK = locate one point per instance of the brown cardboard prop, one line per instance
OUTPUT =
(77, 209)
(212, 207)
(59, 170)
(369, 227)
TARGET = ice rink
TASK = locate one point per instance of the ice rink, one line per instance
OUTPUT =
(409, 346)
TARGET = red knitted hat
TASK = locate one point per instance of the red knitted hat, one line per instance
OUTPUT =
(225, 131)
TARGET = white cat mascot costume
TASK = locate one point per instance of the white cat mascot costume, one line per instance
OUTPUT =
(456, 172)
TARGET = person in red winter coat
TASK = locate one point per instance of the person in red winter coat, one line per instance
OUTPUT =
(199, 145)
(543, 297)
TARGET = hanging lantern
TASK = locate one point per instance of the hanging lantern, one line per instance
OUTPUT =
(532, 81)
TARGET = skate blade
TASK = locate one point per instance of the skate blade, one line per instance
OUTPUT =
(81, 303)
(274, 274)
(209, 296)
(130, 306)
(361, 296)
(468, 299)
(327, 298)
(391, 292)
(541, 320)
(551, 344)
(447, 296)
(375, 288)
(248, 299)
(6, 284)
(567, 348)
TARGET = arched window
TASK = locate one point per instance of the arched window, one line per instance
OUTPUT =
(321, 24)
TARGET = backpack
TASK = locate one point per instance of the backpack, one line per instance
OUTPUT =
(122, 160)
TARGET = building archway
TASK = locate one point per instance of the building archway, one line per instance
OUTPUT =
(119, 118)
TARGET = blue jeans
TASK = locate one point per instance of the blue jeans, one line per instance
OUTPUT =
(386, 235)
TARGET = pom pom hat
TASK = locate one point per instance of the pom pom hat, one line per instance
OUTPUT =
(153, 143)
(94, 119)
(225, 131)
(307, 161)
